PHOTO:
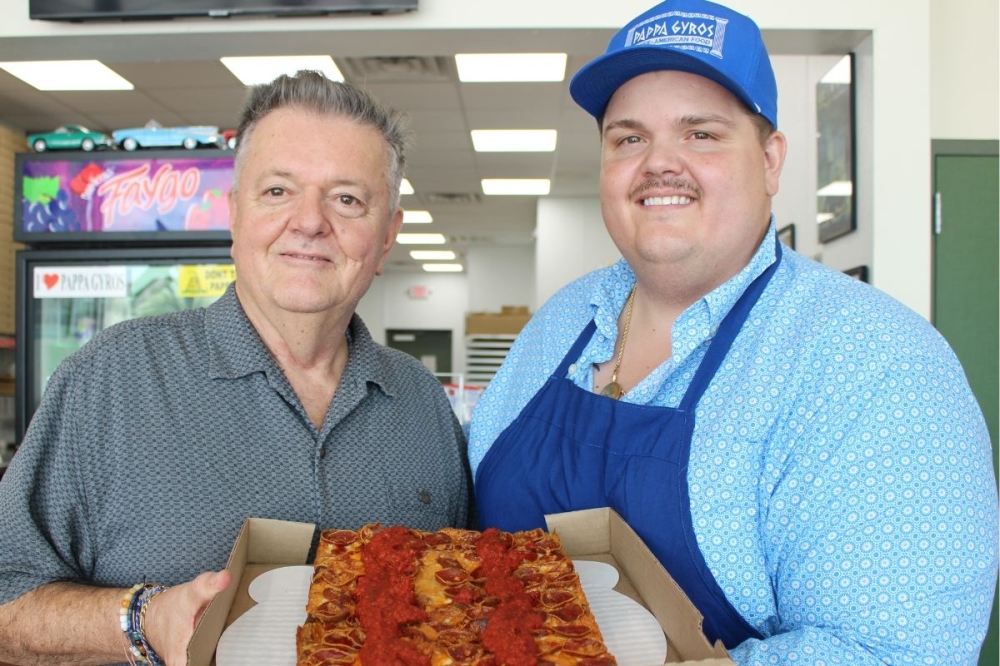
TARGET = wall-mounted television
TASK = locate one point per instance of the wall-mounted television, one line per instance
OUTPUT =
(116, 10)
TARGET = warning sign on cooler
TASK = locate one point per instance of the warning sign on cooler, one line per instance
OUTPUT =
(205, 280)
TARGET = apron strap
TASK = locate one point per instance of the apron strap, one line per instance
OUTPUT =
(573, 355)
(728, 330)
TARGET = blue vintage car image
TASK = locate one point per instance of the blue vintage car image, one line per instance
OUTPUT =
(155, 135)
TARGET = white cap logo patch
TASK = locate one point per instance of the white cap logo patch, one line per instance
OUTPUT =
(681, 30)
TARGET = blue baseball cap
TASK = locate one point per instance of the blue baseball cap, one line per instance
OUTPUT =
(692, 36)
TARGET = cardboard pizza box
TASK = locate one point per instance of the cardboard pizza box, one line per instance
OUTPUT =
(602, 535)
(596, 534)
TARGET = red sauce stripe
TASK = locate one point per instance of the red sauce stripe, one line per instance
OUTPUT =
(508, 633)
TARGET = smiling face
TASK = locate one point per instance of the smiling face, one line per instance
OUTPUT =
(686, 183)
(311, 219)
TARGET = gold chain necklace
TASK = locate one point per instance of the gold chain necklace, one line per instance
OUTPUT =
(614, 390)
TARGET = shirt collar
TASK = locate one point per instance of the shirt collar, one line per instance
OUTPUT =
(237, 350)
(609, 296)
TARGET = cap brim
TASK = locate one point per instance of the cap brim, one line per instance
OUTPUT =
(597, 81)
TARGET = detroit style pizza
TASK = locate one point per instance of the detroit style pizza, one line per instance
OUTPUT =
(396, 596)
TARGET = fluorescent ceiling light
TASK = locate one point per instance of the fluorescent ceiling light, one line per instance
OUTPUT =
(432, 255)
(514, 141)
(838, 188)
(67, 75)
(443, 268)
(841, 72)
(420, 239)
(405, 187)
(417, 217)
(529, 186)
(510, 67)
(253, 70)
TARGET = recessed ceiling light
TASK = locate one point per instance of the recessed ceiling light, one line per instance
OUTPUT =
(405, 187)
(529, 186)
(420, 239)
(67, 75)
(417, 217)
(510, 67)
(443, 268)
(432, 255)
(252, 70)
(514, 141)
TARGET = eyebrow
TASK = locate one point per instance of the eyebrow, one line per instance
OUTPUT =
(690, 120)
(705, 119)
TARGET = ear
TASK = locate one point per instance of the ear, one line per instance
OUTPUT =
(233, 222)
(775, 148)
(391, 231)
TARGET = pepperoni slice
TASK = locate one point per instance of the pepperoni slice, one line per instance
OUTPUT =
(448, 562)
(340, 537)
(568, 613)
(457, 637)
(606, 660)
(332, 612)
(451, 576)
(434, 539)
(585, 647)
(572, 630)
(464, 653)
(553, 598)
(333, 656)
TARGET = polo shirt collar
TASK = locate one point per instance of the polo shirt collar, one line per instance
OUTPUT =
(236, 349)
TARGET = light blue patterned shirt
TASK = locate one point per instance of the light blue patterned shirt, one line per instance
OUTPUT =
(841, 482)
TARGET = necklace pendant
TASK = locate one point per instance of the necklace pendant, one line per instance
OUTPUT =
(613, 391)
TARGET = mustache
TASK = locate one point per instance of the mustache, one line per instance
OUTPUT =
(680, 185)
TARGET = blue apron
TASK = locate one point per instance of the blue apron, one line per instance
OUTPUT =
(571, 449)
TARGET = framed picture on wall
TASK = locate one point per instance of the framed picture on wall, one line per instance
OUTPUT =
(835, 149)
(786, 235)
(858, 273)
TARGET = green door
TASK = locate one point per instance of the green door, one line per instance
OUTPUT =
(966, 298)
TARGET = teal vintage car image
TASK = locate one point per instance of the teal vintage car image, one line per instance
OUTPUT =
(69, 137)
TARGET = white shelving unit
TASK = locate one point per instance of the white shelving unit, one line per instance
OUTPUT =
(483, 356)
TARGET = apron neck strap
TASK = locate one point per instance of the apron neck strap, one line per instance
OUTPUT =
(727, 332)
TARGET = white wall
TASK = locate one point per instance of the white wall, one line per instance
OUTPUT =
(500, 275)
(570, 240)
(965, 69)
(388, 305)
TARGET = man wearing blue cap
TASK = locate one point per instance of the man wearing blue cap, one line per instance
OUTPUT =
(800, 451)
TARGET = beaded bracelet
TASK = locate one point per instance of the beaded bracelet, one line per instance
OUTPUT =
(132, 615)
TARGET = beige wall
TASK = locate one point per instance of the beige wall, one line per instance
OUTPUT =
(965, 69)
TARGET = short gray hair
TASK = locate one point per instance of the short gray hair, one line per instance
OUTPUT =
(312, 91)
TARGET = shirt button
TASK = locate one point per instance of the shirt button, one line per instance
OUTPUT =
(425, 497)
(572, 369)
(322, 452)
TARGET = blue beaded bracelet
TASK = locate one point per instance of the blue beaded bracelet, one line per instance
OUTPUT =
(132, 615)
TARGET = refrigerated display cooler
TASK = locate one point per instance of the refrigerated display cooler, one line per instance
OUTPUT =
(110, 237)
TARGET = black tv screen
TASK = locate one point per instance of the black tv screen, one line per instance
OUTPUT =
(111, 10)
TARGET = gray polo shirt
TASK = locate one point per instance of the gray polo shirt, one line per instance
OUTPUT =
(156, 440)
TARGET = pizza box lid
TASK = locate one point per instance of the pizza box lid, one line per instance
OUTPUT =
(597, 534)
